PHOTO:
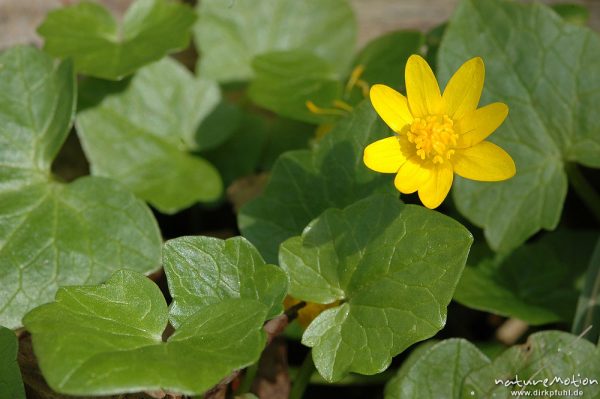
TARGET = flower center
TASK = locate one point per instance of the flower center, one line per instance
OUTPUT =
(434, 137)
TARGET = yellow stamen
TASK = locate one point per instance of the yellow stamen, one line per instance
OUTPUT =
(354, 77)
(342, 105)
(434, 137)
(312, 107)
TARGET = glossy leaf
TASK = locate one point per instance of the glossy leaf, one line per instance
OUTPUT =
(54, 234)
(394, 267)
(305, 183)
(547, 354)
(205, 270)
(384, 58)
(229, 35)
(455, 369)
(436, 372)
(88, 33)
(140, 134)
(545, 69)
(11, 385)
(107, 339)
(285, 81)
(538, 283)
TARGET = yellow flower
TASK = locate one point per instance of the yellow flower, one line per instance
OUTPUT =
(437, 135)
(309, 312)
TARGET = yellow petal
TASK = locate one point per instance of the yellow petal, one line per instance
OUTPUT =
(422, 90)
(411, 175)
(384, 155)
(463, 91)
(391, 106)
(479, 124)
(435, 190)
(484, 162)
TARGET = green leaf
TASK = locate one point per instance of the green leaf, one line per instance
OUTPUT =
(218, 126)
(305, 183)
(107, 339)
(230, 34)
(385, 57)
(88, 33)
(54, 234)
(140, 134)
(545, 69)
(285, 80)
(205, 270)
(437, 372)
(537, 283)
(547, 354)
(455, 369)
(587, 314)
(11, 385)
(573, 13)
(394, 267)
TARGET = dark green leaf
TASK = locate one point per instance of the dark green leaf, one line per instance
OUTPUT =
(107, 339)
(11, 385)
(393, 267)
(87, 33)
(385, 57)
(573, 13)
(437, 372)
(537, 283)
(205, 270)
(230, 34)
(140, 135)
(587, 314)
(546, 70)
(55, 234)
(285, 80)
(305, 183)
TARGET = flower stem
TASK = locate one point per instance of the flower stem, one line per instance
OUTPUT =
(303, 377)
(248, 379)
(584, 189)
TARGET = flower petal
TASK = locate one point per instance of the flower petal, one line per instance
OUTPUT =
(479, 124)
(391, 106)
(422, 89)
(463, 91)
(411, 175)
(384, 155)
(484, 162)
(435, 190)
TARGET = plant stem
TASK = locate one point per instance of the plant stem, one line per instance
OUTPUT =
(246, 385)
(303, 378)
(588, 309)
(584, 189)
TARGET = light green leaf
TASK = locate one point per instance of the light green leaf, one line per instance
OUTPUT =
(547, 354)
(384, 58)
(54, 234)
(139, 134)
(537, 283)
(88, 33)
(587, 315)
(107, 339)
(285, 80)
(205, 270)
(394, 267)
(545, 69)
(11, 385)
(437, 372)
(230, 34)
(305, 183)
(455, 369)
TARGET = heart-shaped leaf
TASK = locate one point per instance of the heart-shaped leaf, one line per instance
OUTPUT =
(393, 267)
(107, 339)
(305, 183)
(229, 35)
(537, 283)
(11, 385)
(549, 361)
(88, 33)
(205, 270)
(54, 234)
(140, 133)
(546, 70)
